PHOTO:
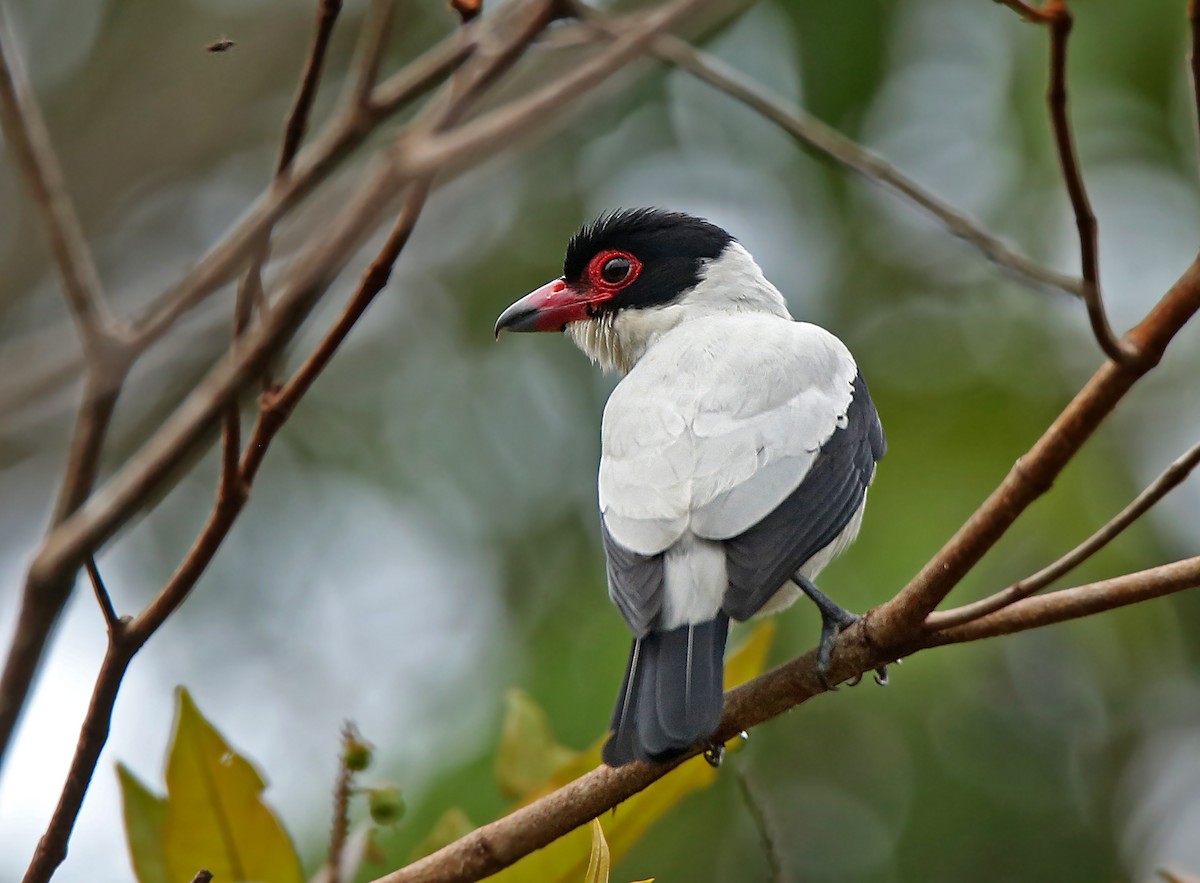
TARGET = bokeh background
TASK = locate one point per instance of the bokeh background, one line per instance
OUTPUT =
(423, 535)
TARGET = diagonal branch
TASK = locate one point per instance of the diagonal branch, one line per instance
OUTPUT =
(26, 136)
(826, 140)
(130, 636)
(1034, 473)
(1171, 478)
(505, 841)
(1076, 602)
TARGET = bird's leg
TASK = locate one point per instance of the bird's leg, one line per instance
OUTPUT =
(834, 619)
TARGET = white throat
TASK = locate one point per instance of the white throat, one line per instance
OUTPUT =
(730, 283)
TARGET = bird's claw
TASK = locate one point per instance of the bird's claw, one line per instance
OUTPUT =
(834, 621)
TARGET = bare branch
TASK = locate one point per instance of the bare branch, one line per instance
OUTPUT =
(111, 620)
(132, 636)
(815, 134)
(1171, 478)
(1076, 602)
(415, 157)
(1193, 14)
(222, 262)
(1027, 12)
(758, 812)
(1034, 473)
(297, 122)
(277, 407)
(499, 844)
(42, 601)
(376, 31)
(27, 138)
(1056, 14)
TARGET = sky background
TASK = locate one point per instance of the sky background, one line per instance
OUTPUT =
(423, 534)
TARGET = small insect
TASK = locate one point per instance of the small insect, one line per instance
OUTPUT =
(223, 44)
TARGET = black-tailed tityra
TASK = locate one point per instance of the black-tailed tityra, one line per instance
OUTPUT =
(735, 456)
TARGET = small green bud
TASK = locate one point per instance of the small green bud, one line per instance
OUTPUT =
(357, 755)
(386, 805)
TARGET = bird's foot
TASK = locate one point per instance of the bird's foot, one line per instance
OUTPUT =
(834, 620)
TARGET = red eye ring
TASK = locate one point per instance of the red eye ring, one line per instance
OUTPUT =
(602, 267)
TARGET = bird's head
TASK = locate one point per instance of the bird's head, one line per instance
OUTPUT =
(631, 276)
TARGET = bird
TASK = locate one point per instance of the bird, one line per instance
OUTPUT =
(736, 453)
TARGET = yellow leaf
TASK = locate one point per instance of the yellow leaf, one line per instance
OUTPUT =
(215, 816)
(563, 861)
(597, 869)
(144, 814)
(528, 754)
(750, 658)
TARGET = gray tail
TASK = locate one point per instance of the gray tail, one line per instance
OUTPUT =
(672, 694)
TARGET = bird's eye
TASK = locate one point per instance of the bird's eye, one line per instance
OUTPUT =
(615, 270)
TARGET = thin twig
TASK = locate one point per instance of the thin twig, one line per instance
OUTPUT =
(223, 261)
(1073, 603)
(817, 135)
(1171, 478)
(376, 31)
(1027, 12)
(297, 121)
(765, 829)
(1060, 21)
(414, 157)
(1193, 14)
(203, 876)
(340, 828)
(27, 139)
(111, 620)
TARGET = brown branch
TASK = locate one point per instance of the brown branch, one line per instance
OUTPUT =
(111, 620)
(1171, 478)
(414, 157)
(376, 31)
(222, 262)
(1027, 12)
(127, 640)
(26, 137)
(1193, 14)
(1060, 21)
(499, 844)
(1076, 602)
(297, 121)
(42, 601)
(816, 135)
(1034, 473)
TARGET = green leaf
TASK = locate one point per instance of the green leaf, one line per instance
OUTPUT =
(144, 813)
(597, 869)
(529, 753)
(215, 817)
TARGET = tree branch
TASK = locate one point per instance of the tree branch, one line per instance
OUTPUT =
(1171, 478)
(26, 136)
(1076, 602)
(1034, 473)
(816, 135)
(501, 843)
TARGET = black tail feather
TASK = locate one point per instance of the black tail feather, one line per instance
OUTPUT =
(672, 695)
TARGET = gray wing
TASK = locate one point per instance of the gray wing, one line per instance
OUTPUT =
(763, 558)
(635, 583)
